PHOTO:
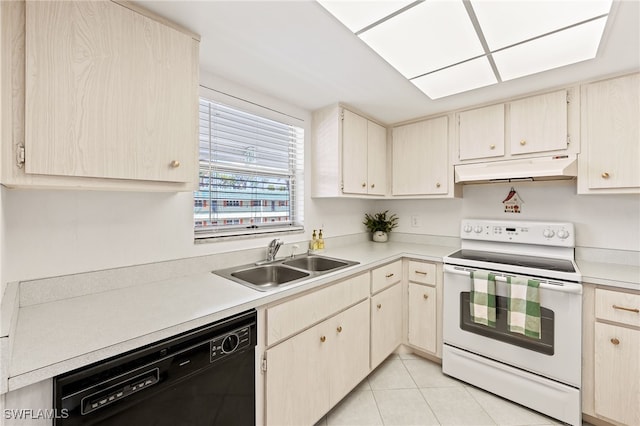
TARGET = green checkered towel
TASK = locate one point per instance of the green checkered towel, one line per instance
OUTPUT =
(524, 306)
(483, 298)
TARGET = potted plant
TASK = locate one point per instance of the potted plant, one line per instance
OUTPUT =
(380, 225)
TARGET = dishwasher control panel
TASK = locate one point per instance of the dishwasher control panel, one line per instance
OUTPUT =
(229, 343)
(120, 391)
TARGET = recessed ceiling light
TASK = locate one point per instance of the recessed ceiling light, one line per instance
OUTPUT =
(446, 47)
(505, 23)
(425, 38)
(357, 15)
(456, 79)
(565, 47)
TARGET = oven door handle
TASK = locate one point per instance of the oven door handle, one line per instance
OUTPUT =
(562, 287)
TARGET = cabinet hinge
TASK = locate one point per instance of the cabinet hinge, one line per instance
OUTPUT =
(20, 156)
(263, 364)
(568, 97)
(342, 114)
(568, 140)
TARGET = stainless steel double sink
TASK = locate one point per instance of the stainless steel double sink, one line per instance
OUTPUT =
(284, 272)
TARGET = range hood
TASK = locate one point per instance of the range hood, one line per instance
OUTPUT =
(541, 168)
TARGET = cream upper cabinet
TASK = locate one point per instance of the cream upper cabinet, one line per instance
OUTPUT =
(609, 161)
(110, 98)
(538, 123)
(421, 158)
(481, 132)
(349, 154)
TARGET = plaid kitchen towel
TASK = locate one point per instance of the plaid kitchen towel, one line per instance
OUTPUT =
(524, 306)
(483, 298)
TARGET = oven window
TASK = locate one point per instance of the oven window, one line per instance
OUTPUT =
(501, 331)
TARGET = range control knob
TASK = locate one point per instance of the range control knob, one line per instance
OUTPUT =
(548, 233)
(477, 229)
(467, 228)
(230, 343)
(563, 233)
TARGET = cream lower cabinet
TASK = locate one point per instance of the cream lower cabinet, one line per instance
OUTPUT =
(611, 355)
(424, 307)
(386, 323)
(310, 372)
(422, 317)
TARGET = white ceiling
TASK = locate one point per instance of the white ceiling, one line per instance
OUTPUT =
(298, 52)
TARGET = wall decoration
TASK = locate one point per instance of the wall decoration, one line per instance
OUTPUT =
(513, 202)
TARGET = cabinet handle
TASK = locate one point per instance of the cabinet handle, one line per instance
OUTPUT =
(605, 175)
(389, 275)
(622, 308)
(426, 296)
(523, 142)
(615, 341)
(364, 184)
(438, 185)
(175, 164)
(323, 339)
(420, 273)
(339, 329)
(492, 146)
(373, 185)
(379, 305)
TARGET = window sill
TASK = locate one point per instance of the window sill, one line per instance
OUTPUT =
(245, 235)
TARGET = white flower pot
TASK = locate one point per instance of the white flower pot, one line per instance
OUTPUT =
(380, 237)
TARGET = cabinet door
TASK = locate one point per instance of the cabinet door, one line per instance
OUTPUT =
(611, 130)
(422, 317)
(538, 123)
(376, 159)
(297, 383)
(354, 153)
(386, 323)
(617, 369)
(481, 132)
(420, 158)
(109, 94)
(349, 364)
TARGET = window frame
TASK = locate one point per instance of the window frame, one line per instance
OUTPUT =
(296, 197)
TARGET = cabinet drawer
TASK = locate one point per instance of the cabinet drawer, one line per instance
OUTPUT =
(385, 276)
(617, 306)
(289, 317)
(421, 272)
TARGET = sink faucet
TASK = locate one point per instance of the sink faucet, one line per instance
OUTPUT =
(272, 249)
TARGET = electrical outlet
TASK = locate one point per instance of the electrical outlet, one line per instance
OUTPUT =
(415, 221)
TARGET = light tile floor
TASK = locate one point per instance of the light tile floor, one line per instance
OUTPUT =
(408, 390)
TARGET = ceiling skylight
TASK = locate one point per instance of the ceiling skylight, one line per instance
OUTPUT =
(446, 47)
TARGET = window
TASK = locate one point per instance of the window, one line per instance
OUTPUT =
(250, 175)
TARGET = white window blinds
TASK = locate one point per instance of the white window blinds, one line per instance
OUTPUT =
(251, 171)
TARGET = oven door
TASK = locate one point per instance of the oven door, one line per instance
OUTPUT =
(557, 355)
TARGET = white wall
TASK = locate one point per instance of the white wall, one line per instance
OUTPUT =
(602, 221)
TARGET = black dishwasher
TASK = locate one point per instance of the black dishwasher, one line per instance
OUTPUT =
(202, 377)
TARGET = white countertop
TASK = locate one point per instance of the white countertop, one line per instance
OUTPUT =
(57, 337)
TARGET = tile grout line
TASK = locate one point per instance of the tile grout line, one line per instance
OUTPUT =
(421, 394)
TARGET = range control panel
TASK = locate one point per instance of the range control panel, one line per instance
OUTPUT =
(525, 232)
